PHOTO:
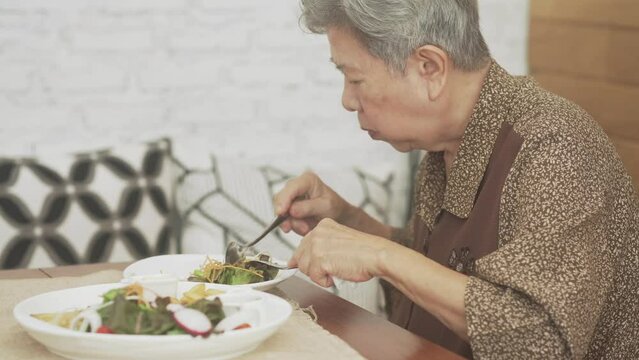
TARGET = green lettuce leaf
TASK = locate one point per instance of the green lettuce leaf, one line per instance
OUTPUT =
(238, 276)
(126, 317)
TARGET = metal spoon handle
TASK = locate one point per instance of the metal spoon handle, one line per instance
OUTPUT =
(280, 219)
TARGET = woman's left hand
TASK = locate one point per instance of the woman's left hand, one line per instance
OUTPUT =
(334, 250)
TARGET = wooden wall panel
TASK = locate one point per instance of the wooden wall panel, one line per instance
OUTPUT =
(585, 51)
(601, 12)
(628, 151)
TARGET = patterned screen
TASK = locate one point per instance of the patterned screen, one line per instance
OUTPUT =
(103, 206)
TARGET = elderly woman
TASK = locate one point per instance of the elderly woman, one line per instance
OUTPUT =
(523, 242)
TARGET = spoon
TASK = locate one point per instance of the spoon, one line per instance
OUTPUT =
(275, 265)
(235, 252)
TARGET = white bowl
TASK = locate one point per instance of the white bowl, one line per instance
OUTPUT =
(78, 345)
(182, 265)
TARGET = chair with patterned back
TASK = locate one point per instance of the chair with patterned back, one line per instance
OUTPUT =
(111, 205)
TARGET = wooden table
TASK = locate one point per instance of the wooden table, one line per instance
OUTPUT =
(370, 335)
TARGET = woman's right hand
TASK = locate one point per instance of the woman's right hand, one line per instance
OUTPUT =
(308, 200)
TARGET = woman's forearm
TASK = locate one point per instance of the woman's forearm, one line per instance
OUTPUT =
(431, 286)
(358, 219)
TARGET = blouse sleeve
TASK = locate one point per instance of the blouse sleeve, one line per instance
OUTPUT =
(541, 293)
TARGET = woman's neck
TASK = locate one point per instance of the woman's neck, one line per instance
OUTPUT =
(466, 88)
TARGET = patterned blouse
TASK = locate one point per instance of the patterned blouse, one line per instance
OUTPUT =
(539, 211)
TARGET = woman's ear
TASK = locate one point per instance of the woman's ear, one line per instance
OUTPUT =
(433, 65)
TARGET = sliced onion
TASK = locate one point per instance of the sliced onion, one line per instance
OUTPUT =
(90, 318)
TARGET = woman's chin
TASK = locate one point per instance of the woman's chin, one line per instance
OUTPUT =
(401, 146)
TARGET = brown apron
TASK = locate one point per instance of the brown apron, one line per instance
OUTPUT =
(456, 242)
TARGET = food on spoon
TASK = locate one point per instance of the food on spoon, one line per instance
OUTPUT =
(248, 270)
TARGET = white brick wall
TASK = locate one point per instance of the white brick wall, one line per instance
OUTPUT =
(504, 24)
(220, 74)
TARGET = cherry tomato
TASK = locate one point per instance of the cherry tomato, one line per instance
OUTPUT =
(104, 330)
(242, 326)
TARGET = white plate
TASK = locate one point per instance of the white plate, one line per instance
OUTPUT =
(182, 265)
(79, 345)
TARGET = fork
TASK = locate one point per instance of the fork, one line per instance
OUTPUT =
(234, 251)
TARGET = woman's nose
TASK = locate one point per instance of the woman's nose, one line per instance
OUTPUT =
(349, 101)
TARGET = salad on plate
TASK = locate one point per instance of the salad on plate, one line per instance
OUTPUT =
(248, 270)
(260, 272)
(154, 316)
(126, 310)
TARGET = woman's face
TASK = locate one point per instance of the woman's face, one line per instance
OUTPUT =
(391, 107)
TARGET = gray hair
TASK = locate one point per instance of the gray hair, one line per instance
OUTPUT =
(393, 29)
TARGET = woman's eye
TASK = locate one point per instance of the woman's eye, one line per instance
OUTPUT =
(355, 82)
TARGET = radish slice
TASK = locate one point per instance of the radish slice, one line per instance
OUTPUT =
(174, 307)
(193, 322)
(246, 316)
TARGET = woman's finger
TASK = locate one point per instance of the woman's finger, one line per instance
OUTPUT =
(328, 281)
(300, 226)
(293, 261)
(303, 263)
(318, 276)
(317, 207)
(295, 188)
(286, 226)
(319, 272)
(297, 256)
